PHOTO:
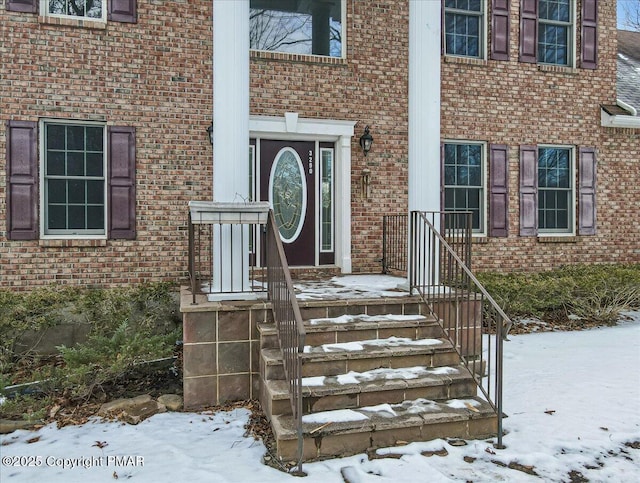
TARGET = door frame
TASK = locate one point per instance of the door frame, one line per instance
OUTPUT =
(291, 127)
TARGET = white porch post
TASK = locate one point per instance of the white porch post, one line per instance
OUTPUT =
(424, 105)
(343, 199)
(231, 133)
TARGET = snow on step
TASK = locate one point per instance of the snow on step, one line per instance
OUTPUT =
(335, 416)
(346, 319)
(416, 406)
(404, 373)
(379, 343)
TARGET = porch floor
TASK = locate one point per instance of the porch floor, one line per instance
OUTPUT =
(346, 287)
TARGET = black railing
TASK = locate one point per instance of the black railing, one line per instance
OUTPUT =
(473, 322)
(290, 329)
(456, 226)
(394, 243)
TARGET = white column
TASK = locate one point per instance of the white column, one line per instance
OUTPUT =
(343, 199)
(424, 105)
(231, 132)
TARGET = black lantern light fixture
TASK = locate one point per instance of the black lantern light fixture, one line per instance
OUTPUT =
(210, 133)
(366, 140)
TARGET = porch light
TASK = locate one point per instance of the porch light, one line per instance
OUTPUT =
(366, 140)
(210, 133)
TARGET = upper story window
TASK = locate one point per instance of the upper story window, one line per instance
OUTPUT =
(555, 27)
(549, 32)
(464, 181)
(313, 27)
(463, 28)
(88, 9)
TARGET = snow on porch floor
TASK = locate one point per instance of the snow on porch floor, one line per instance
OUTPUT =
(352, 286)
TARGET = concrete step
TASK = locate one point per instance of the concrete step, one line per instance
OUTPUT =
(349, 328)
(361, 356)
(378, 386)
(351, 431)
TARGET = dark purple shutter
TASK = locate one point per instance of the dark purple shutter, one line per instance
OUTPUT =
(122, 182)
(528, 190)
(28, 6)
(123, 11)
(589, 50)
(499, 191)
(587, 192)
(500, 29)
(529, 31)
(22, 180)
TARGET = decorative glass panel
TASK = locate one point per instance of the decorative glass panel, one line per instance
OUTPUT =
(311, 27)
(288, 194)
(326, 200)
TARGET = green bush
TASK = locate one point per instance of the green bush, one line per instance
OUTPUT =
(106, 358)
(127, 326)
(592, 293)
(147, 310)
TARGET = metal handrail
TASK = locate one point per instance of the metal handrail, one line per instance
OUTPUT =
(462, 306)
(288, 321)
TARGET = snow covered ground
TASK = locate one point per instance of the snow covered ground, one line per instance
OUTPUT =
(573, 401)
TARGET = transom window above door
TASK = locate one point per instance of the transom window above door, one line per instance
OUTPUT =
(314, 27)
(90, 9)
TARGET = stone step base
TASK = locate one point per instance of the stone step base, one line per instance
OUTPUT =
(348, 328)
(361, 356)
(353, 390)
(346, 432)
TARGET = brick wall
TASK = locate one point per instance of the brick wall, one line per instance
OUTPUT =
(369, 87)
(154, 75)
(512, 103)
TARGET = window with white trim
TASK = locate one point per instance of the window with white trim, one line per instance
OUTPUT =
(464, 181)
(87, 9)
(73, 179)
(555, 189)
(555, 32)
(313, 27)
(464, 29)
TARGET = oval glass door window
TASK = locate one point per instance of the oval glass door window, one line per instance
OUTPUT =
(288, 194)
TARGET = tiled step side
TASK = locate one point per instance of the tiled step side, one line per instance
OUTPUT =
(343, 361)
(348, 432)
(353, 390)
(350, 328)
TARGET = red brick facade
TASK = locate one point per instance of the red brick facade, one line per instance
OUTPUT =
(155, 75)
(514, 103)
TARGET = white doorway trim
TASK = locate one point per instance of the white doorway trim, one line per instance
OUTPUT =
(290, 127)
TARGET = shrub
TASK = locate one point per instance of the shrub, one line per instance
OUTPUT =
(592, 293)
